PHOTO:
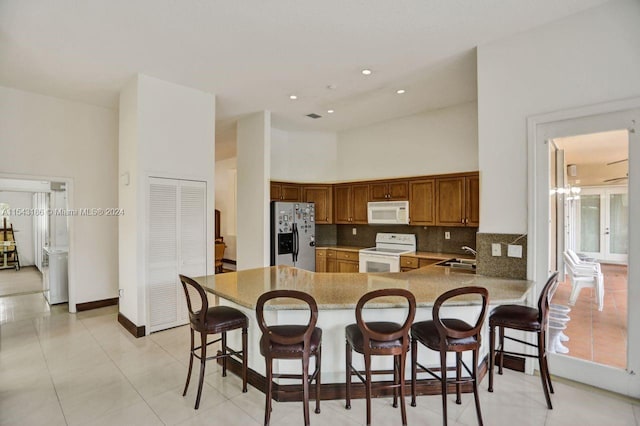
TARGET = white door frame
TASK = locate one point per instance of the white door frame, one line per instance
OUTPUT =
(590, 119)
(71, 270)
(584, 120)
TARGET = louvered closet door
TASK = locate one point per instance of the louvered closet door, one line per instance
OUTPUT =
(177, 238)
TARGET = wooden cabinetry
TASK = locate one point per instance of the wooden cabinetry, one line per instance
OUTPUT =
(321, 260)
(422, 206)
(457, 201)
(331, 261)
(283, 191)
(336, 260)
(351, 203)
(322, 196)
(389, 191)
(347, 261)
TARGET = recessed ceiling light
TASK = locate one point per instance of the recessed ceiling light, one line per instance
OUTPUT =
(293, 97)
(330, 111)
(366, 71)
(400, 91)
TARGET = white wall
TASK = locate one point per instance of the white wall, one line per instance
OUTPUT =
(588, 58)
(46, 136)
(168, 131)
(254, 150)
(226, 171)
(433, 142)
(303, 156)
(22, 225)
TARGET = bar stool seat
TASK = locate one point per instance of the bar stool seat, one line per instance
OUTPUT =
(516, 316)
(427, 332)
(220, 318)
(288, 331)
(356, 340)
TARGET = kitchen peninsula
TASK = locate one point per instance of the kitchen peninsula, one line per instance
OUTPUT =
(337, 294)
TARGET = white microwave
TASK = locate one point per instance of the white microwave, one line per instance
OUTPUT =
(388, 212)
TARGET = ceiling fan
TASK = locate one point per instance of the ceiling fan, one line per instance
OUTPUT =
(618, 179)
(616, 162)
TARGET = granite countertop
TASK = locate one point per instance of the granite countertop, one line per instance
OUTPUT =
(435, 255)
(342, 290)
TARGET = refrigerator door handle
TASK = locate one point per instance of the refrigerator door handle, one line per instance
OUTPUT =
(296, 242)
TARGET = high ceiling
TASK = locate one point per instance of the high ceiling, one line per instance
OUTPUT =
(253, 54)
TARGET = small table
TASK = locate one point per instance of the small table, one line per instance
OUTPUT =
(4, 247)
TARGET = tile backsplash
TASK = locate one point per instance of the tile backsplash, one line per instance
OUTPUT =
(501, 266)
(430, 238)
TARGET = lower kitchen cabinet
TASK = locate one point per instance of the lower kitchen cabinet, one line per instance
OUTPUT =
(347, 261)
(333, 260)
(409, 263)
(321, 260)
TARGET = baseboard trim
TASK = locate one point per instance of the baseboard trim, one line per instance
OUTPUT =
(87, 306)
(514, 363)
(332, 391)
(229, 261)
(136, 331)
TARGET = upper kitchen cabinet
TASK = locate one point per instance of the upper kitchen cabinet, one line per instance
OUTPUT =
(422, 206)
(389, 190)
(283, 191)
(457, 201)
(322, 196)
(351, 203)
(472, 199)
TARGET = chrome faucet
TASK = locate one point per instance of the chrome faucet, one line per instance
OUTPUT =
(470, 250)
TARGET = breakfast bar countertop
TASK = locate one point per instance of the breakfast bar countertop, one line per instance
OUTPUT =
(342, 290)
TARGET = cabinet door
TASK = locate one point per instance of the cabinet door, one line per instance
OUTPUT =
(347, 266)
(290, 192)
(472, 195)
(321, 260)
(322, 197)
(342, 198)
(398, 190)
(379, 191)
(276, 191)
(360, 194)
(450, 206)
(422, 202)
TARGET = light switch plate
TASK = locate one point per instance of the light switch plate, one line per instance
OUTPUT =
(514, 250)
(496, 249)
(354, 231)
(447, 235)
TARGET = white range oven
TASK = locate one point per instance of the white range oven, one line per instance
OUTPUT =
(385, 256)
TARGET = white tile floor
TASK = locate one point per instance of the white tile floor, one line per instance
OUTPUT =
(57, 368)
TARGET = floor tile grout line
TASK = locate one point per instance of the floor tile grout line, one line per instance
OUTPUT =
(44, 357)
(121, 372)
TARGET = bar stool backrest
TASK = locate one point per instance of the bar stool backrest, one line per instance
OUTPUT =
(368, 334)
(197, 306)
(288, 340)
(545, 295)
(447, 333)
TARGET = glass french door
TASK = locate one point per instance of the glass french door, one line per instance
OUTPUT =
(602, 218)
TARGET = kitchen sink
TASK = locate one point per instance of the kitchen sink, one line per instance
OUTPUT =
(464, 264)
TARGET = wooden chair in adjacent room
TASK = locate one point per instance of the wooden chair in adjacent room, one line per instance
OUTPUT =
(450, 335)
(380, 338)
(291, 341)
(523, 318)
(206, 320)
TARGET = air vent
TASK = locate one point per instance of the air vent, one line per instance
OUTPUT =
(314, 115)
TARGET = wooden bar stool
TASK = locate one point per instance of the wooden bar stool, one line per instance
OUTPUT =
(524, 318)
(380, 338)
(450, 335)
(291, 342)
(212, 320)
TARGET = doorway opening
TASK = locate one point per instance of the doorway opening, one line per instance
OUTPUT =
(34, 249)
(589, 185)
